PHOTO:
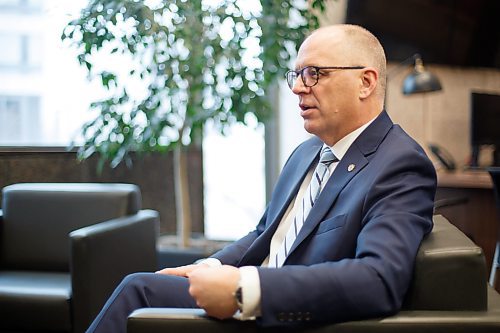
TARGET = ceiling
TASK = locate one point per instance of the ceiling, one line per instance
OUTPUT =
(452, 32)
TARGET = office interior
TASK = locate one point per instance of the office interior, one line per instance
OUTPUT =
(458, 126)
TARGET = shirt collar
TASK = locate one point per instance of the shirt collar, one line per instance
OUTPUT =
(340, 148)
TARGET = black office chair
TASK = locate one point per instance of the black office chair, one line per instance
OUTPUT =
(495, 177)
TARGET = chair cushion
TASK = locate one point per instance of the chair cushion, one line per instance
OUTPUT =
(35, 300)
(37, 218)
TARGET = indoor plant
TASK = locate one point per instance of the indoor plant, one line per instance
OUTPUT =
(188, 62)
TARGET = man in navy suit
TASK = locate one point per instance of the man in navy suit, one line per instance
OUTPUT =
(352, 254)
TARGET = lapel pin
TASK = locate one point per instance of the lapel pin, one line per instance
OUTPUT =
(351, 167)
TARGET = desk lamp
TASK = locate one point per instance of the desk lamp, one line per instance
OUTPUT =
(420, 80)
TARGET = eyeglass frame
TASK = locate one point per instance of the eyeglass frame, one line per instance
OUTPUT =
(317, 68)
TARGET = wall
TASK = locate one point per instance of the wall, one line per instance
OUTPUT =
(442, 116)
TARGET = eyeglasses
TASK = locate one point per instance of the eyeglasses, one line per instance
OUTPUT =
(310, 74)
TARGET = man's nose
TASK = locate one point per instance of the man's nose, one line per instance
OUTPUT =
(299, 87)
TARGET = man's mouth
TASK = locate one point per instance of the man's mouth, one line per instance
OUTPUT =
(304, 107)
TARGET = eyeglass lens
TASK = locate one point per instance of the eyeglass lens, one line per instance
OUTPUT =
(309, 77)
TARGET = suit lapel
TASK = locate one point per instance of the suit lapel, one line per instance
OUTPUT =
(284, 192)
(339, 179)
(351, 164)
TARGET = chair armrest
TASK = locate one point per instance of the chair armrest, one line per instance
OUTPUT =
(450, 272)
(161, 320)
(104, 253)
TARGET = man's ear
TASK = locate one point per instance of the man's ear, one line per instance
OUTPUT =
(369, 81)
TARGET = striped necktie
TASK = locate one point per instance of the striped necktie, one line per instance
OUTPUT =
(320, 177)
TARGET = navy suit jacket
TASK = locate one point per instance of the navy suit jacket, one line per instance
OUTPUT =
(354, 256)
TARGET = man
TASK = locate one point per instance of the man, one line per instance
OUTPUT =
(339, 237)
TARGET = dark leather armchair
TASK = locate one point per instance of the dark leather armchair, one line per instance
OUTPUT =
(65, 247)
(448, 293)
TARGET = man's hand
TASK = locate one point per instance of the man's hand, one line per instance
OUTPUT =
(213, 288)
(181, 270)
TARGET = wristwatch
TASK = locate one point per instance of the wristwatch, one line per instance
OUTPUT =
(238, 296)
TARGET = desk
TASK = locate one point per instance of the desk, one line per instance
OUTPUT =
(465, 179)
(477, 216)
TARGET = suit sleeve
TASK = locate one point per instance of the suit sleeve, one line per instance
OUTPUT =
(395, 214)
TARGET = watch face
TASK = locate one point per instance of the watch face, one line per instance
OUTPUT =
(239, 295)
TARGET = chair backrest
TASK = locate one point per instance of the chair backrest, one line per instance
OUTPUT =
(37, 218)
(450, 272)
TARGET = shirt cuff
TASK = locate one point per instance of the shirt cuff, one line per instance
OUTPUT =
(211, 262)
(250, 288)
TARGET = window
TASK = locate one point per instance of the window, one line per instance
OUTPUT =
(19, 116)
(40, 74)
(10, 56)
(23, 52)
(234, 176)
(18, 5)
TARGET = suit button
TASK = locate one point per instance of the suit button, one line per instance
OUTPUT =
(291, 316)
(307, 316)
(298, 316)
(281, 316)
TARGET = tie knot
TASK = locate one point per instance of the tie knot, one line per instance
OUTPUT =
(327, 157)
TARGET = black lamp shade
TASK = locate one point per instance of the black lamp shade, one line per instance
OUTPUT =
(420, 82)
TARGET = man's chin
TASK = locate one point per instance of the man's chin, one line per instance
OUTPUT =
(310, 128)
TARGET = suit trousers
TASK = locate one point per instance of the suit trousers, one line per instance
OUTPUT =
(141, 290)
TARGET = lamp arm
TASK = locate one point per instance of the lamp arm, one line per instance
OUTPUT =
(404, 64)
